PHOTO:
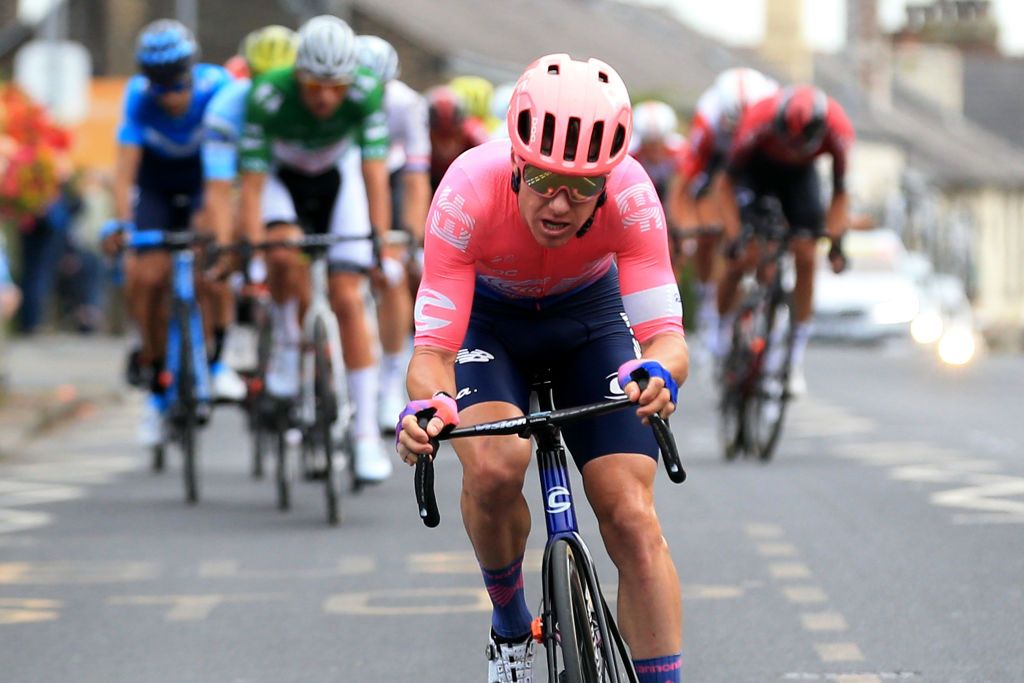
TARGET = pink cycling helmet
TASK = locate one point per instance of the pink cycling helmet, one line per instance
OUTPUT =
(569, 116)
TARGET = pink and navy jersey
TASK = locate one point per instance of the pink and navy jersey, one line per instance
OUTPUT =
(475, 236)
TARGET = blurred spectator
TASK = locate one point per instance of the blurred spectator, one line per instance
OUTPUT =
(10, 295)
(43, 244)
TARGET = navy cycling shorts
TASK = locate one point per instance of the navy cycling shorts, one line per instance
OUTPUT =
(797, 188)
(169, 192)
(582, 338)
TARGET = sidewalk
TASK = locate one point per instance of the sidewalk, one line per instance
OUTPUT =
(52, 378)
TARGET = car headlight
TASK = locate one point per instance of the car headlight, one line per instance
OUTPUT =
(926, 328)
(895, 311)
(957, 346)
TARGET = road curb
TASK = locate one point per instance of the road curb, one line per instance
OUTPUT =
(58, 406)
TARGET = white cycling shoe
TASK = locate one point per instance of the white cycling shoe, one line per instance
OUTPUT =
(372, 462)
(797, 385)
(227, 385)
(510, 662)
(150, 430)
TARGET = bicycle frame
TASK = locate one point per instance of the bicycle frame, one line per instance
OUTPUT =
(320, 308)
(183, 287)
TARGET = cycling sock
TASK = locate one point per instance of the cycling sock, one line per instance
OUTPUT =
(801, 335)
(155, 385)
(392, 367)
(362, 390)
(659, 669)
(510, 617)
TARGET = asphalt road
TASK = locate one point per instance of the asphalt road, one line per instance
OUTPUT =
(885, 542)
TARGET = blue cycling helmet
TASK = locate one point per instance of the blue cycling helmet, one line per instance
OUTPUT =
(165, 50)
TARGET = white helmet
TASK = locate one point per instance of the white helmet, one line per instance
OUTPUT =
(737, 89)
(377, 55)
(327, 49)
(653, 121)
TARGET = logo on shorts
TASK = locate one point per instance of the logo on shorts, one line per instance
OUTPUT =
(474, 356)
(464, 392)
(614, 390)
(559, 500)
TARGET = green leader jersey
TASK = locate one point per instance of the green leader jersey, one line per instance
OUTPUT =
(280, 130)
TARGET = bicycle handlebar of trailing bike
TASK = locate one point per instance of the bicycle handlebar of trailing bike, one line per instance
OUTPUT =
(163, 239)
(524, 427)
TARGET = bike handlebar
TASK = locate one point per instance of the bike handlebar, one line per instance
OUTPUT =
(524, 427)
(163, 239)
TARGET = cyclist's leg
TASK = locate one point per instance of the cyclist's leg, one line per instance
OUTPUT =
(148, 277)
(285, 280)
(747, 192)
(494, 510)
(618, 458)
(800, 195)
(350, 262)
(705, 260)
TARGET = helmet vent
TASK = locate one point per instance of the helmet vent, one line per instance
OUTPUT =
(594, 152)
(618, 140)
(553, 69)
(602, 76)
(572, 138)
(547, 140)
(523, 126)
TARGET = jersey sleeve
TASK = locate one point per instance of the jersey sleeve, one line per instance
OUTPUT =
(131, 130)
(417, 135)
(839, 139)
(702, 145)
(262, 102)
(445, 296)
(221, 135)
(650, 294)
(373, 132)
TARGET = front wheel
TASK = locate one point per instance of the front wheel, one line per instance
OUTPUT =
(771, 393)
(187, 402)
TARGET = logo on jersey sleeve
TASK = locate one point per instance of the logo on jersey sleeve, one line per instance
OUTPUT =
(639, 206)
(450, 221)
(434, 298)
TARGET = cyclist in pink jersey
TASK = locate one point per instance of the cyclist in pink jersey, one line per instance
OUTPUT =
(549, 250)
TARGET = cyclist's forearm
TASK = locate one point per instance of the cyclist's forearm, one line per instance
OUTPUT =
(378, 194)
(416, 202)
(838, 215)
(252, 207)
(431, 369)
(682, 210)
(126, 167)
(669, 349)
(218, 195)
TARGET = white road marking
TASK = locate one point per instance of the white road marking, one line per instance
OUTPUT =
(193, 607)
(789, 570)
(839, 652)
(823, 621)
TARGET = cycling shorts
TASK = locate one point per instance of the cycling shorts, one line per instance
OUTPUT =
(797, 188)
(333, 203)
(582, 337)
(163, 210)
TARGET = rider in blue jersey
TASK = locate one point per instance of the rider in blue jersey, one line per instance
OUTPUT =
(158, 177)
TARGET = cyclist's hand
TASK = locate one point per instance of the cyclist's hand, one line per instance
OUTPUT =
(733, 249)
(410, 439)
(837, 257)
(659, 396)
(114, 236)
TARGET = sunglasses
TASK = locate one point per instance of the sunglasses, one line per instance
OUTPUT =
(314, 86)
(159, 89)
(547, 184)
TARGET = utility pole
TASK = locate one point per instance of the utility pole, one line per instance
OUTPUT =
(187, 12)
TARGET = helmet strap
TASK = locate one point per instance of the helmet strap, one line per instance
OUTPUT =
(590, 221)
(516, 180)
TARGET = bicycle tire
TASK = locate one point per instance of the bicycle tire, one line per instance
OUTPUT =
(157, 461)
(187, 405)
(572, 617)
(326, 413)
(264, 341)
(766, 436)
(732, 404)
(281, 470)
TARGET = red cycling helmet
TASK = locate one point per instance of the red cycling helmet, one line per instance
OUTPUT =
(446, 109)
(570, 117)
(801, 116)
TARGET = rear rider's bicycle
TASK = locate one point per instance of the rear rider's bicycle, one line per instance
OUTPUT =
(755, 372)
(186, 377)
(575, 625)
(322, 411)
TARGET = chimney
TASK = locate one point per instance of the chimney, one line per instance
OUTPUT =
(784, 46)
(869, 55)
